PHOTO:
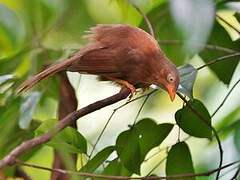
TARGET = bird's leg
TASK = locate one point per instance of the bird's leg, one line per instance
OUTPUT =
(125, 84)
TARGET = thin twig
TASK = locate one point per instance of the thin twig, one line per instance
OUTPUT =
(207, 46)
(226, 97)
(100, 135)
(235, 176)
(220, 59)
(212, 128)
(10, 159)
(141, 107)
(179, 176)
(147, 21)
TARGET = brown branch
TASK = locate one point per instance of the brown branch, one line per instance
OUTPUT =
(92, 175)
(212, 128)
(10, 159)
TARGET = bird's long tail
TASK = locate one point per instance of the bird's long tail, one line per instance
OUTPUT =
(53, 69)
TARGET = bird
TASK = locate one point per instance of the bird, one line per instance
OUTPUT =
(123, 54)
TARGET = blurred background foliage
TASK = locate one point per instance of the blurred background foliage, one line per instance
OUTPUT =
(35, 33)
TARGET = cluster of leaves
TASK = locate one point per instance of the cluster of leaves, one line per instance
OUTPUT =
(28, 44)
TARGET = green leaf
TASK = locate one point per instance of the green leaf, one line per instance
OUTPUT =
(190, 123)
(98, 159)
(45, 127)
(116, 168)
(27, 109)
(133, 145)
(69, 140)
(165, 29)
(224, 69)
(195, 20)
(150, 139)
(179, 161)
(12, 31)
(128, 150)
(188, 75)
(237, 137)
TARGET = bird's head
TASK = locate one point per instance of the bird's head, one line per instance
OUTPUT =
(169, 79)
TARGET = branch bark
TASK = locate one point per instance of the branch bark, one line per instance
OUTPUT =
(11, 158)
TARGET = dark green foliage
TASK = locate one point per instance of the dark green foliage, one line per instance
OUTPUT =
(225, 69)
(179, 161)
(133, 145)
(98, 159)
(192, 124)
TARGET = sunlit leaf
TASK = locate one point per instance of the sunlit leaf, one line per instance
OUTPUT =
(220, 38)
(69, 140)
(195, 20)
(27, 109)
(191, 123)
(188, 75)
(179, 161)
(98, 159)
(45, 126)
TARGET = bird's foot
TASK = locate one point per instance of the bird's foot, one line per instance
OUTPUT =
(127, 85)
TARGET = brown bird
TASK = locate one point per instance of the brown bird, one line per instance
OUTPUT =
(120, 53)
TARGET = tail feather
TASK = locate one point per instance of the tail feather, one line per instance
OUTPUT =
(55, 68)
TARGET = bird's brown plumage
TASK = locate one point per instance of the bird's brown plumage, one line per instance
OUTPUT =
(118, 52)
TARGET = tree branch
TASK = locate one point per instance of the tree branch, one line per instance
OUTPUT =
(10, 159)
(92, 175)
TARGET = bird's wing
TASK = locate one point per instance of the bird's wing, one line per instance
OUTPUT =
(101, 61)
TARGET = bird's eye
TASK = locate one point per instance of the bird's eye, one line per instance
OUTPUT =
(170, 78)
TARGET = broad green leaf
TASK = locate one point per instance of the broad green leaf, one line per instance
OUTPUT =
(237, 137)
(45, 127)
(188, 75)
(116, 168)
(134, 144)
(150, 139)
(191, 123)
(224, 69)
(195, 20)
(179, 161)
(98, 159)
(69, 140)
(128, 150)
(167, 33)
(27, 109)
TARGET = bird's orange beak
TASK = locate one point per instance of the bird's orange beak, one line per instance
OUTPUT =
(171, 91)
